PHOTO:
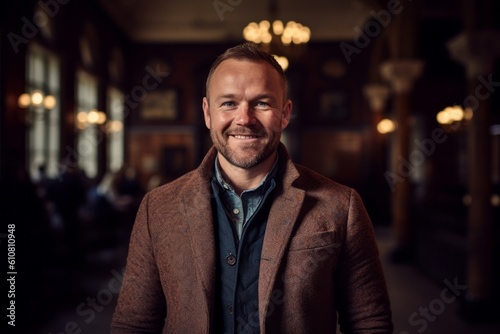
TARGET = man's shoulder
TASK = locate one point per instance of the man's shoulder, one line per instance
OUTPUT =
(177, 186)
(314, 182)
(309, 177)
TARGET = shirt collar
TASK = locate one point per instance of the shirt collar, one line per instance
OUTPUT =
(226, 186)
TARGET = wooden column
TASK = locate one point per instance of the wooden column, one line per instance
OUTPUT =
(377, 96)
(477, 51)
(378, 196)
(401, 73)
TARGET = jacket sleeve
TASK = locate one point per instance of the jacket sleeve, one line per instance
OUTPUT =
(141, 306)
(363, 301)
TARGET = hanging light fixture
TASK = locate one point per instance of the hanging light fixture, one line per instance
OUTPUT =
(37, 99)
(454, 118)
(454, 114)
(281, 40)
(264, 32)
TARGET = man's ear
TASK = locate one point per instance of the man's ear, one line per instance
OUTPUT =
(287, 112)
(206, 112)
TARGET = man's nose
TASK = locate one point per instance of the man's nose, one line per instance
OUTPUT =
(245, 115)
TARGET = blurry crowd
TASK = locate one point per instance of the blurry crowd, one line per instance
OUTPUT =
(61, 223)
(88, 214)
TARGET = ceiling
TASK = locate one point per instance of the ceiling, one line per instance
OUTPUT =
(200, 21)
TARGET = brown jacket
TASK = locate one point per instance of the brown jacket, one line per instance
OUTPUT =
(319, 257)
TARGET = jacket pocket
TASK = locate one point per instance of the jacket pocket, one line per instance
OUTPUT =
(310, 263)
(314, 240)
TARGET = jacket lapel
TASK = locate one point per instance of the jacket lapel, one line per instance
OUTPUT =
(196, 197)
(281, 221)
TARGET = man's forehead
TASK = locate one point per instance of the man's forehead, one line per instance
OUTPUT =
(231, 69)
(233, 63)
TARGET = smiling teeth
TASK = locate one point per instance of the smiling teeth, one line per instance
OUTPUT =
(244, 137)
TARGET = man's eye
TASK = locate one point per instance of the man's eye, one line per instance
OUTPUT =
(262, 104)
(227, 104)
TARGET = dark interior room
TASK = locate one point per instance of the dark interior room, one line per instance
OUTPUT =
(101, 102)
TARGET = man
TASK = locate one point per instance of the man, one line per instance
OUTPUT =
(250, 242)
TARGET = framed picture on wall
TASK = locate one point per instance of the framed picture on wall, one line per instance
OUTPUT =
(161, 105)
(174, 161)
(333, 105)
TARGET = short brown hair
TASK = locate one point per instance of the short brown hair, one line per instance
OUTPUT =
(251, 52)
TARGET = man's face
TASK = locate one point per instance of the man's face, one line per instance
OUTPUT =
(245, 111)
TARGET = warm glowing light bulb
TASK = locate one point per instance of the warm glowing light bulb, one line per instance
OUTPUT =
(49, 102)
(37, 98)
(307, 35)
(93, 116)
(24, 100)
(468, 113)
(386, 126)
(101, 117)
(266, 38)
(286, 39)
(283, 61)
(278, 27)
(456, 113)
(495, 200)
(115, 126)
(264, 25)
(81, 117)
(247, 32)
(443, 117)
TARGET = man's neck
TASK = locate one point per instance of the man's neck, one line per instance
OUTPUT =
(245, 178)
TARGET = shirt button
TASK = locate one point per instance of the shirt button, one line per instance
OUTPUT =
(229, 308)
(236, 211)
(231, 260)
(225, 186)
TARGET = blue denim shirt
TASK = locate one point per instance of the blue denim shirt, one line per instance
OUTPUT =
(240, 209)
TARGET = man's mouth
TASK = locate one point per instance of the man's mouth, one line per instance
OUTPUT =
(245, 136)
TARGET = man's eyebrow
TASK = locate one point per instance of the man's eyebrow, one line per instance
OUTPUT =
(268, 96)
(265, 96)
(225, 96)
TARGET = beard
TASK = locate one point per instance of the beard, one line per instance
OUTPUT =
(247, 155)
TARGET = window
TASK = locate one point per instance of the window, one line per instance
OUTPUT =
(88, 135)
(43, 78)
(114, 127)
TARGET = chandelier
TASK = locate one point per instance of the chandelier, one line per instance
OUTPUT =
(280, 39)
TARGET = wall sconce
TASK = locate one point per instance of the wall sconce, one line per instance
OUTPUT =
(37, 99)
(114, 126)
(386, 126)
(452, 118)
(84, 118)
(96, 117)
